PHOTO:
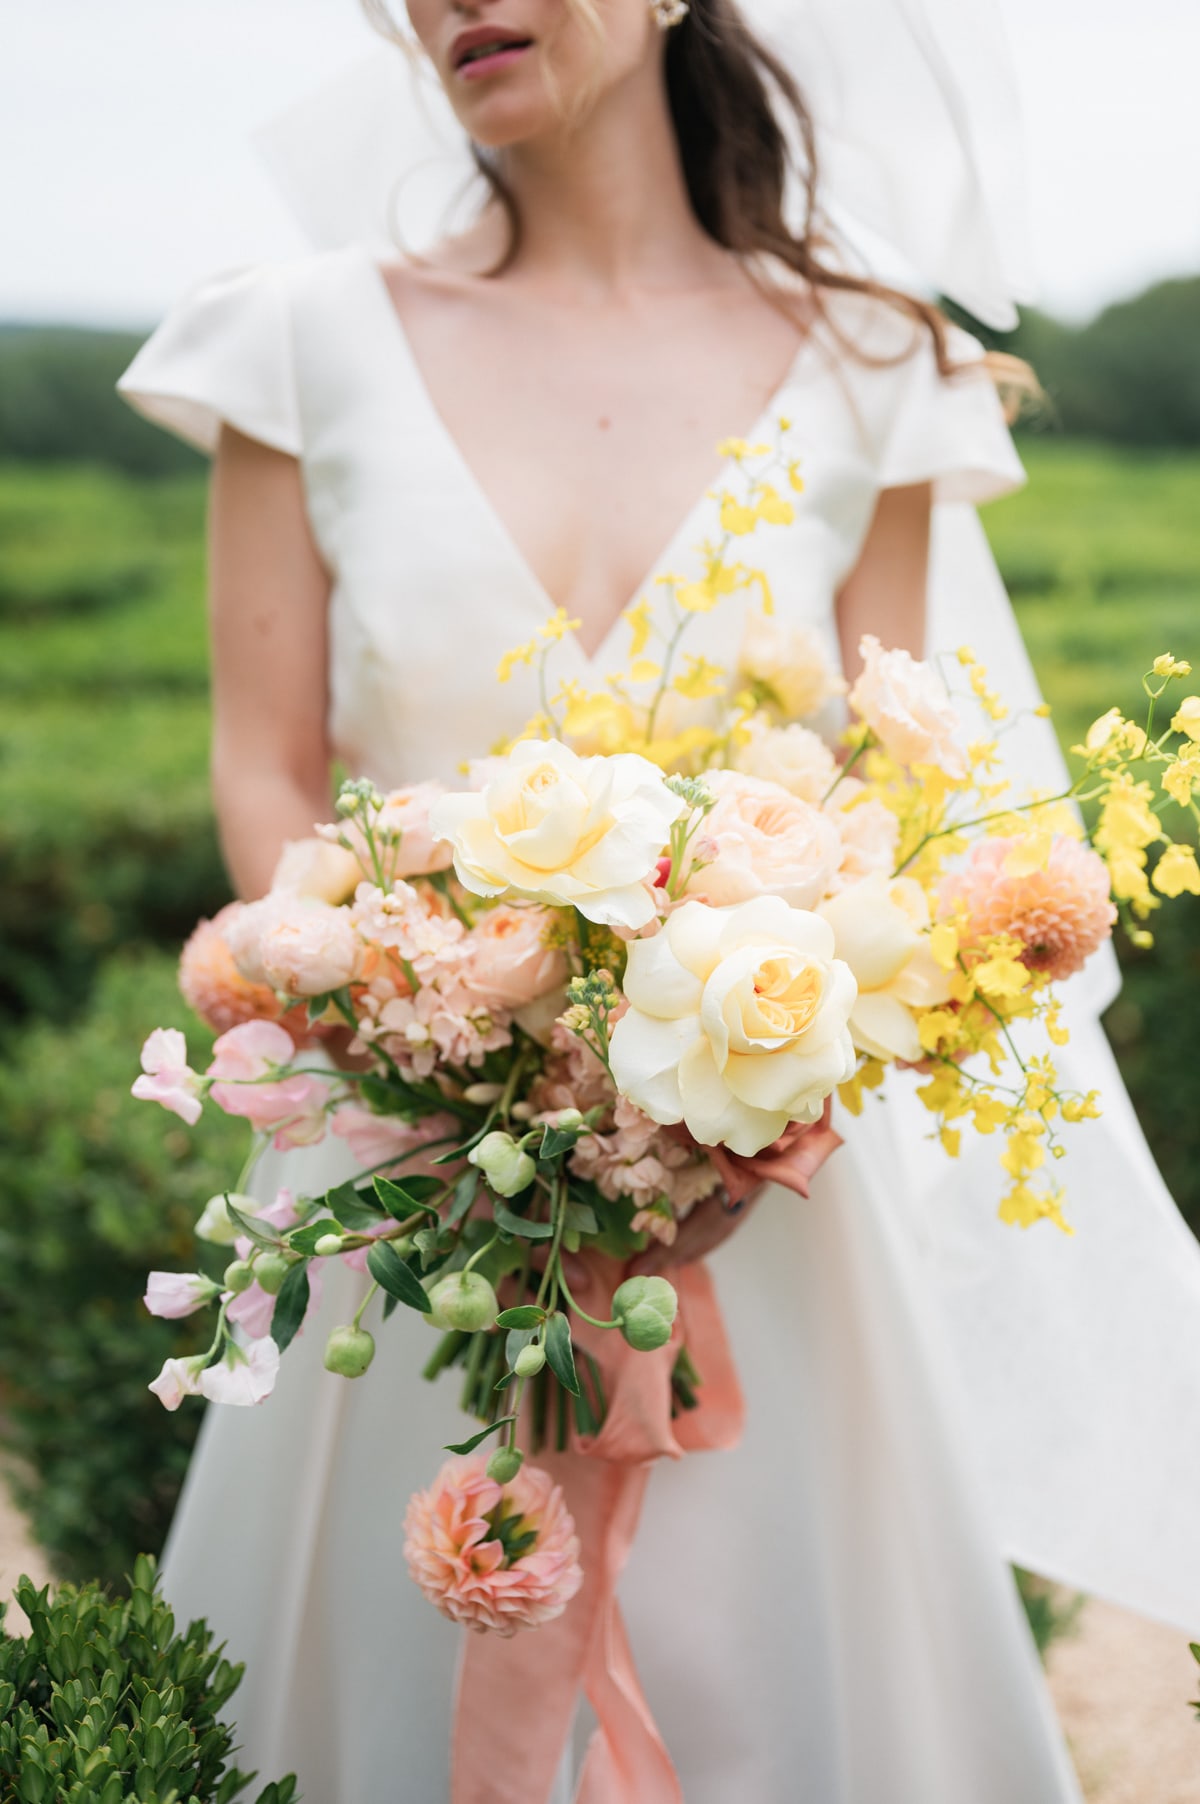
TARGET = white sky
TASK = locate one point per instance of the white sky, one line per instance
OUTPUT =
(125, 172)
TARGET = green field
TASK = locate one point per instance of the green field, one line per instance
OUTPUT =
(107, 855)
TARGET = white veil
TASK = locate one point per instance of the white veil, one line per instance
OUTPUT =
(1081, 1357)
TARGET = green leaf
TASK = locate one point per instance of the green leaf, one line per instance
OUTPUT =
(515, 1339)
(512, 1223)
(559, 1356)
(316, 1007)
(401, 1199)
(477, 1440)
(355, 1209)
(557, 1141)
(290, 1306)
(525, 1315)
(503, 1384)
(245, 1224)
(428, 1243)
(582, 1217)
(465, 1192)
(389, 1270)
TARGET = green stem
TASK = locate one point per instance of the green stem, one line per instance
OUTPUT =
(566, 1290)
(361, 1310)
(473, 1261)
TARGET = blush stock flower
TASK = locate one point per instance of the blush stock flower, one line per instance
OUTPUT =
(568, 831)
(456, 1558)
(1061, 909)
(737, 1022)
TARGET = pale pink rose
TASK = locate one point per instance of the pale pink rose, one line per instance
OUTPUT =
(906, 706)
(178, 1379)
(1062, 910)
(212, 984)
(246, 1375)
(167, 1078)
(764, 842)
(294, 1106)
(314, 867)
(406, 845)
(295, 944)
(794, 757)
(870, 834)
(453, 1556)
(173, 1295)
(509, 963)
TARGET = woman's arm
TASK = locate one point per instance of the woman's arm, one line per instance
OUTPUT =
(884, 594)
(269, 595)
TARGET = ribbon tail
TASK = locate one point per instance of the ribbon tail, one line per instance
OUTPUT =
(627, 1761)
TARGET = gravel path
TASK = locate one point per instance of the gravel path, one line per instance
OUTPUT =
(1121, 1686)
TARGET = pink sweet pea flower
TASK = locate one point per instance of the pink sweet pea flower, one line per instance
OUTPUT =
(167, 1077)
(294, 1107)
(175, 1294)
(244, 1376)
(178, 1379)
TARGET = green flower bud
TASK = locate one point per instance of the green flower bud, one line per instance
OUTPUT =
(507, 1168)
(328, 1245)
(463, 1300)
(271, 1269)
(504, 1464)
(214, 1224)
(567, 1119)
(646, 1309)
(239, 1276)
(529, 1361)
(349, 1351)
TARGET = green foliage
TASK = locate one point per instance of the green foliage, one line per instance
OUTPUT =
(58, 401)
(1050, 1611)
(94, 1187)
(103, 1703)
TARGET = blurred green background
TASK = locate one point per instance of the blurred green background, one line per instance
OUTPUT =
(108, 855)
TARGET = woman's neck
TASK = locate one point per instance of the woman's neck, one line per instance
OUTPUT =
(604, 206)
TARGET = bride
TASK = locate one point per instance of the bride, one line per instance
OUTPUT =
(414, 460)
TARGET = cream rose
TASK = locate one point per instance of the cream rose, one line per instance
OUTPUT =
(737, 1022)
(574, 832)
(794, 757)
(870, 833)
(907, 708)
(760, 841)
(294, 944)
(880, 930)
(314, 867)
(788, 668)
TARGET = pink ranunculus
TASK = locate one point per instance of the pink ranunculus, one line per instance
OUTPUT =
(1062, 910)
(167, 1077)
(509, 963)
(178, 1379)
(173, 1295)
(456, 1559)
(906, 706)
(293, 1106)
(245, 1375)
(764, 842)
(295, 944)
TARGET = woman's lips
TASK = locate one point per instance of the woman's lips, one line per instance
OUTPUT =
(491, 61)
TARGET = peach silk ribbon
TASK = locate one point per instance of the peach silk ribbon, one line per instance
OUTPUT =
(517, 1697)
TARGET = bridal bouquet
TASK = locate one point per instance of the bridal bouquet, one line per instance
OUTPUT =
(615, 977)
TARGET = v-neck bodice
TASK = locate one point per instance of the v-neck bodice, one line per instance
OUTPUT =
(428, 588)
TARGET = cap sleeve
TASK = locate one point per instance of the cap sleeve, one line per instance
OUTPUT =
(222, 354)
(949, 430)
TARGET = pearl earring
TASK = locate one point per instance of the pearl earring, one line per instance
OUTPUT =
(667, 13)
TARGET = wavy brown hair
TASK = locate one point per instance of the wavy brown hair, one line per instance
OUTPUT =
(747, 144)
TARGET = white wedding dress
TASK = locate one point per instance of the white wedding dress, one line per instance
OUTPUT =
(826, 1613)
